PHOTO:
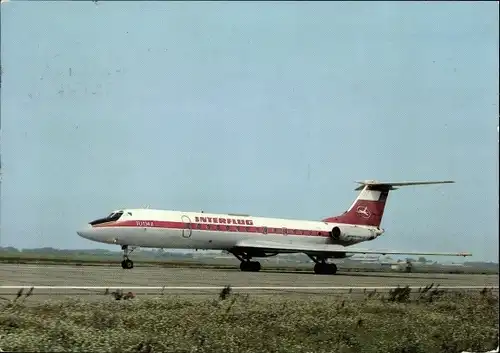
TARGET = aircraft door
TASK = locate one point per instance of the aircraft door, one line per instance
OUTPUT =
(187, 229)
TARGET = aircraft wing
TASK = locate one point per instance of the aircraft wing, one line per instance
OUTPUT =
(328, 249)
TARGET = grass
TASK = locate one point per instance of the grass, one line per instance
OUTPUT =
(428, 321)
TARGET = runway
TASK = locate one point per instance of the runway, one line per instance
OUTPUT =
(110, 277)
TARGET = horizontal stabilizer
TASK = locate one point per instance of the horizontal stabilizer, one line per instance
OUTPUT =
(329, 249)
(391, 185)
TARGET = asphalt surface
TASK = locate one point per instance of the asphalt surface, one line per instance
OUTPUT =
(110, 277)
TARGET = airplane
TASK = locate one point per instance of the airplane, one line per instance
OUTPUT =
(247, 237)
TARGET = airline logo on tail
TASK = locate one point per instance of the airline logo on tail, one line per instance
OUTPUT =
(363, 212)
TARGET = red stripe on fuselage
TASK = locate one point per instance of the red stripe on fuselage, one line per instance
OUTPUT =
(215, 227)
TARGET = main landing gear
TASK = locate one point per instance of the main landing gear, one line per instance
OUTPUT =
(250, 266)
(127, 264)
(246, 265)
(322, 267)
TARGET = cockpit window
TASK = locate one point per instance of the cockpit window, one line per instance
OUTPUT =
(113, 217)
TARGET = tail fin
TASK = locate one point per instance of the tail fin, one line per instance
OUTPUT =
(368, 208)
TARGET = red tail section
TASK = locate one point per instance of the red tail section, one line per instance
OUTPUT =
(368, 208)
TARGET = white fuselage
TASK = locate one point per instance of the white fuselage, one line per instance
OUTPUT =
(197, 230)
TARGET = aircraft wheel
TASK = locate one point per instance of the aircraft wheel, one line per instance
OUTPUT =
(318, 268)
(325, 269)
(332, 269)
(255, 266)
(250, 266)
(127, 264)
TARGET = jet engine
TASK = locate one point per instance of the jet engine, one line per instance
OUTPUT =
(346, 233)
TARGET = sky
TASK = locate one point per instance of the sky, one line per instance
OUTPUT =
(267, 108)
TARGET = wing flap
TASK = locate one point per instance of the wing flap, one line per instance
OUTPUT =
(326, 249)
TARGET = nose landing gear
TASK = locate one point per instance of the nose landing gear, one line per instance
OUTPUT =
(127, 264)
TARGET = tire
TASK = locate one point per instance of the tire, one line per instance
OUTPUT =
(325, 269)
(128, 264)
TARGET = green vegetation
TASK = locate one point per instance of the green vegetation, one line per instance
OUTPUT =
(428, 321)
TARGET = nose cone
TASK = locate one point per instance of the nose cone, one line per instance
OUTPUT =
(85, 232)
(100, 235)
